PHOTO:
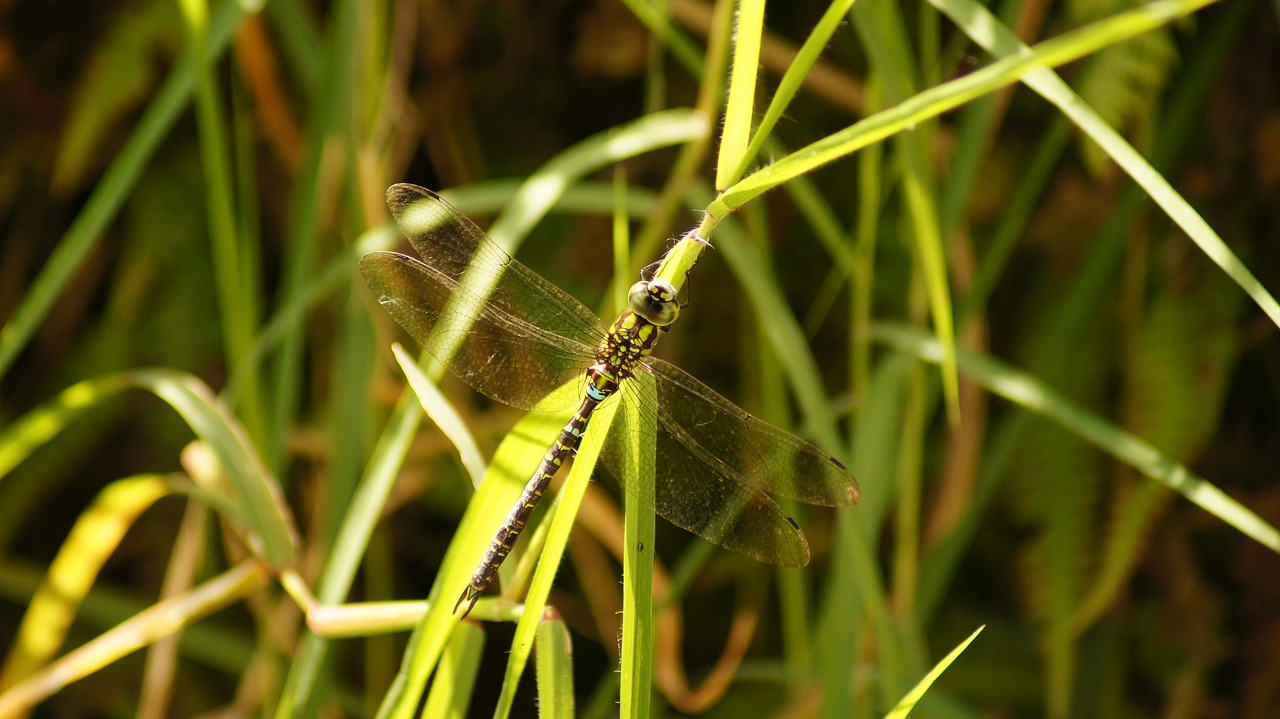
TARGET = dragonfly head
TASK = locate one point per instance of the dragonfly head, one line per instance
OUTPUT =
(654, 300)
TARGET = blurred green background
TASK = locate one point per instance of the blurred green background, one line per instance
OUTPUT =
(199, 206)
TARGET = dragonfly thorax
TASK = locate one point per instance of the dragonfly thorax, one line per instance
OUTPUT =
(630, 339)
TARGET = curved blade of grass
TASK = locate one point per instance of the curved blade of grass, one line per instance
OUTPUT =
(909, 702)
(637, 557)
(33, 429)
(442, 412)
(939, 99)
(997, 39)
(92, 540)
(544, 187)
(517, 456)
(567, 501)
(455, 682)
(158, 621)
(349, 548)
(791, 82)
(271, 533)
(555, 670)
(110, 193)
(1031, 393)
(255, 493)
(742, 91)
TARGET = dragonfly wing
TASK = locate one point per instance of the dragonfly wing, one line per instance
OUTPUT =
(493, 322)
(498, 354)
(455, 248)
(759, 455)
(692, 489)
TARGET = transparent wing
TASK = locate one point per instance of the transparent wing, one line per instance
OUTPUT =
(760, 456)
(714, 465)
(493, 322)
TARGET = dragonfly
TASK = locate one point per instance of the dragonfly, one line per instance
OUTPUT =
(517, 338)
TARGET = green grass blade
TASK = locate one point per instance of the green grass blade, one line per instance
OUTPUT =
(808, 55)
(349, 547)
(909, 702)
(256, 495)
(740, 108)
(997, 39)
(256, 492)
(442, 412)
(512, 464)
(1029, 392)
(567, 501)
(73, 572)
(637, 557)
(28, 433)
(934, 101)
(455, 682)
(555, 670)
(110, 194)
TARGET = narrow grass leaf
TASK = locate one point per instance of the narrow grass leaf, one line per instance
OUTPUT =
(95, 536)
(32, 430)
(159, 620)
(455, 680)
(792, 80)
(567, 501)
(512, 464)
(941, 98)
(442, 412)
(256, 492)
(1032, 394)
(984, 29)
(349, 548)
(555, 670)
(740, 108)
(638, 551)
(909, 702)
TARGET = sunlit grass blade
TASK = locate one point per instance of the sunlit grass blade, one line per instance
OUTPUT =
(638, 555)
(29, 432)
(454, 686)
(153, 623)
(984, 29)
(808, 55)
(566, 504)
(512, 464)
(349, 548)
(740, 108)
(936, 100)
(909, 702)
(442, 412)
(111, 192)
(255, 491)
(1031, 393)
(555, 670)
(73, 572)
(255, 494)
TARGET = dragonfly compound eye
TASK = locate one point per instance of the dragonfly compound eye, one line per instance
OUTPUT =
(655, 301)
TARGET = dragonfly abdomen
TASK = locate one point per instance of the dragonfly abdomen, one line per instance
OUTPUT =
(506, 536)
